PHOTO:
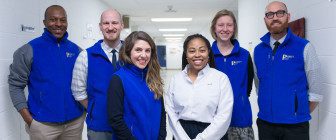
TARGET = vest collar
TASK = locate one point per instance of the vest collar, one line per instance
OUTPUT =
(98, 50)
(267, 38)
(49, 36)
(141, 73)
(235, 49)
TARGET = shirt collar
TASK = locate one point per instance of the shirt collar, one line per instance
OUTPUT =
(106, 48)
(281, 40)
(200, 73)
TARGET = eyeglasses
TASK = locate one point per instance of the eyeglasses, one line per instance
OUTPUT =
(279, 14)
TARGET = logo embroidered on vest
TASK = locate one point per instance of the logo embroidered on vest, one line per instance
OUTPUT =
(69, 54)
(235, 62)
(287, 57)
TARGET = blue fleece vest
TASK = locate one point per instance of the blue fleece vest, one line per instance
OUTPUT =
(50, 98)
(142, 112)
(235, 66)
(282, 95)
(100, 70)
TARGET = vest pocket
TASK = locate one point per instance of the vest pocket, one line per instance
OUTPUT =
(302, 103)
(90, 110)
(295, 104)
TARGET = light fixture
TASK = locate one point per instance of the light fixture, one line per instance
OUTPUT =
(173, 35)
(173, 38)
(171, 19)
(170, 9)
(173, 30)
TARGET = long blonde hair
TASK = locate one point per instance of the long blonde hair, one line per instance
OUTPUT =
(153, 78)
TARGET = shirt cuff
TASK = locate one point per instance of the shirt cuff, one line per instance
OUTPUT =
(80, 97)
(313, 97)
(21, 106)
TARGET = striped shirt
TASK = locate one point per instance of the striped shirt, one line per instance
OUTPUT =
(80, 71)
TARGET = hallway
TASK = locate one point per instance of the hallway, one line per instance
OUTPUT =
(22, 21)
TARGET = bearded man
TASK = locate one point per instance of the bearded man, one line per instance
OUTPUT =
(287, 79)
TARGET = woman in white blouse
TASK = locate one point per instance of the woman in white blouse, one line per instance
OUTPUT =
(199, 99)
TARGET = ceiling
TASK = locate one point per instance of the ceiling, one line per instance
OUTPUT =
(141, 11)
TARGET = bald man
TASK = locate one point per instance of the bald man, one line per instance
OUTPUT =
(93, 71)
(45, 65)
(287, 79)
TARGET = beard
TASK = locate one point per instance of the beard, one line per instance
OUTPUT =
(112, 37)
(277, 29)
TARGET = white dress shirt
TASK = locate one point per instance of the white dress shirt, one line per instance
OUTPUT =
(209, 100)
(80, 71)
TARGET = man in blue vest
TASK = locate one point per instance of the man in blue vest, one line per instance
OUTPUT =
(92, 74)
(45, 65)
(288, 79)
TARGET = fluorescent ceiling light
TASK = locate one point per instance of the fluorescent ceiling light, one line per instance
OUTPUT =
(170, 19)
(173, 30)
(172, 35)
(173, 38)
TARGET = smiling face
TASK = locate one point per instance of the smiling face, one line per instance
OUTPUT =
(224, 28)
(56, 21)
(197, 54)
(277, 25)
(141, 54)
(111, 25)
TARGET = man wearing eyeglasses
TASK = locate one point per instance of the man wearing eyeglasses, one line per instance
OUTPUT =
(287, 79)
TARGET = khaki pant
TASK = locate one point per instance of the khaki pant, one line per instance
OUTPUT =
(50, 131)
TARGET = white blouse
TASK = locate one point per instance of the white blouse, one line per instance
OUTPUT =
(209, 99)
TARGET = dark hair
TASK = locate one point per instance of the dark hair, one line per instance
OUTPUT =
(52, 7)
(185, 47)
(153, 79)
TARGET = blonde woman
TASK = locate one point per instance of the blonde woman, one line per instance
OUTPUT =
(236, 63)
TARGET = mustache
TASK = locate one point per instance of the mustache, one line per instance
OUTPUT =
(111, 31)
(276, 21)
(57, 27)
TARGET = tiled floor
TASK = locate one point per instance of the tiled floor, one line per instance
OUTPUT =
(166, 76)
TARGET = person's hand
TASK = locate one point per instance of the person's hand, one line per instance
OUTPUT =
(28, 121)
(26, 116)
(312, 106)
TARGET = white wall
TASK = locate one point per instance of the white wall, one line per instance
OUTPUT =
(320, 18)
(13, 13)
(250, 28)
(174, 55)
